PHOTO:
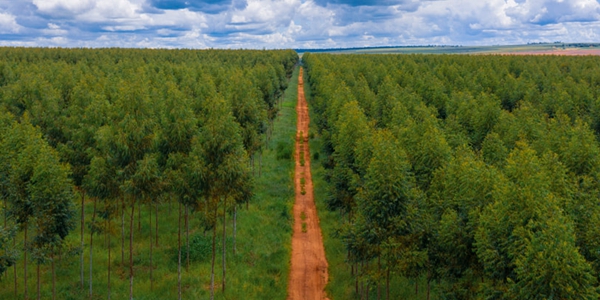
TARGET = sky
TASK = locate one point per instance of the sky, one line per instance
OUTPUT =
(277, 24)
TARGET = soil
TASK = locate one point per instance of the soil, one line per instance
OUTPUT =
(566, 52)
(308, 272)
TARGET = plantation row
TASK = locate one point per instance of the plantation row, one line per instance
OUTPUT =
(480, 174)
(118, 130)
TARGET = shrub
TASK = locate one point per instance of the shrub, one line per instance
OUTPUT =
(200, 248)
(284, 150)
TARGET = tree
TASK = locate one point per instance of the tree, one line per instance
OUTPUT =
(220, 151)
(178, 127)
(127, 145)
(518, 239)
(426, 147)
(184, 180)
(101, 182)
(387, 94)
(86, 112)
(387, 203)
(8, 254)
(551, 266)
(352, 129)
(249, 112)
(458, 193)
(39, 190)
(52, 191)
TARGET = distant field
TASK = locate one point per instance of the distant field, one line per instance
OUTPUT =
(532, 49)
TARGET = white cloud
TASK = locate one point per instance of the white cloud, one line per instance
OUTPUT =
(107, 10)
(555, 11)
(64, 7)
(8, 24)
(54, 30)
(295, 23)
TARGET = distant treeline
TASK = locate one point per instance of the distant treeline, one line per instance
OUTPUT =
(568, 45)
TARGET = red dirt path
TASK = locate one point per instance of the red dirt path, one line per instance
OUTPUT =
(308, 272)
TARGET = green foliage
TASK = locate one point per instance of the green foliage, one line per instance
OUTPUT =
(8, 254)
(551, 267)
(284, 150)
(500, 149)
(138, 126)
(38, 193)
(200, 249)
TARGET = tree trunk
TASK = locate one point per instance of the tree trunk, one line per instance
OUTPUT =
(378, 274)
(187, 241)
(92, 247)
(224, 241)
(38, 281)
(212, 268)
(368, 281)
(131, 219)
(25, 296)
(53, 276)
(82, 235)
(361, 269)
(122, 231)
(356, 278)
(416, 286)
(428, 283)
(156, 221)
(387, 283)
(15, 267)
(234, 227)
(109, 261)
(259, 163)
(351, 265)
(140, 218)
(179, 255)
(151, 278)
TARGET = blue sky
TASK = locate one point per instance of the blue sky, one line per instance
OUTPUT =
(294, 23)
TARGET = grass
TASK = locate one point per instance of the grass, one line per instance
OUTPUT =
(341, 282)
(259, 270)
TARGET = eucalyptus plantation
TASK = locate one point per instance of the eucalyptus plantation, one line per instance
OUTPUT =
(220, 151)
(128, 133)
(456, 171)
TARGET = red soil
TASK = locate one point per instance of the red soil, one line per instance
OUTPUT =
(566, 52)
(308, 274)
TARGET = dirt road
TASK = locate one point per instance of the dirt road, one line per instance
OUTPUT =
(308, 273)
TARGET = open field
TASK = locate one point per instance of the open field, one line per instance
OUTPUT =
(531, 49)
